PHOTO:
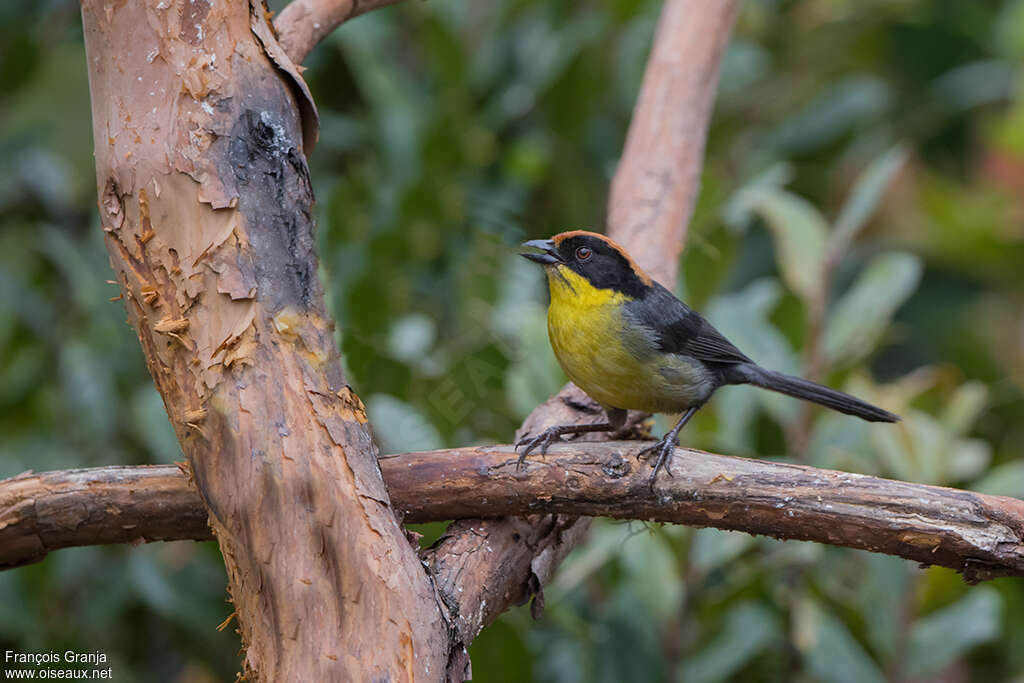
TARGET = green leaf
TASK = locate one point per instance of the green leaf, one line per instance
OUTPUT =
(83, 275)
(534, 375)
(799, 231)
(894, 453)
(1004, 480)
(411, 336)
(839, 443)
(651, 571)
(151, 583)
(743, 318)
(606, 541)
(1009, 29)
(736, 412)
(499, 654)
(924, 450)
(713, 548)
(399, 426)
(88, 390)
(736, 212)
(943, 636)
(840, 107)
(830, 653)
(864, 198)
(968, 458)
(973, 84)
(150, 425)
(748, 629)
(863, 313)
(518, 321)
(879, 600)
(929, 448)
(964, 407)
(630, 651)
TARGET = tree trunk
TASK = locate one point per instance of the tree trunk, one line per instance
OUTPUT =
(198, 120)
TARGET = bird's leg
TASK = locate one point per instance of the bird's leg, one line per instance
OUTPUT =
(633, 427)
(616, 418)
(667, 444)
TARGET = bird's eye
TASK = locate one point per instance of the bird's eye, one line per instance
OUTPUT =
(584, 253)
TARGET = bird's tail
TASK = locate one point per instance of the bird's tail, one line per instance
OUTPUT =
(748, 373)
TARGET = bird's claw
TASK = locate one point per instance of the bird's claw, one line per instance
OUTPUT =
(662, 449)
(542, 441)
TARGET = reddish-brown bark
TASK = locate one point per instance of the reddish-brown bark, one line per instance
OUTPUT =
(200, 125)
(40, 513)
(304, 23)
(979, 535)
(656, 185)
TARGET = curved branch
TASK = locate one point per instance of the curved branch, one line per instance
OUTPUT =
(658, 179)
(304, 23)
(977, 534)
(651, 199)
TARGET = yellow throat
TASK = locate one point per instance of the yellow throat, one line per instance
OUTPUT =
(587, 334)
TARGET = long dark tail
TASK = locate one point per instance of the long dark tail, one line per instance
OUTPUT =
(748, 373)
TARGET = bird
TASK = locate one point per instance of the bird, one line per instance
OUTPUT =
(630, 344)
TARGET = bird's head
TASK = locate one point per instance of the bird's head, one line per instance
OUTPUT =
(602, 262)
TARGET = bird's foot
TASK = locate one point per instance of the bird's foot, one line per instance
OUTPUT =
(660, 451)
(541, 441)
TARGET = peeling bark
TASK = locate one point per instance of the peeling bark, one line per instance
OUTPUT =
(979, 535)
(201, 123)
(200, 127)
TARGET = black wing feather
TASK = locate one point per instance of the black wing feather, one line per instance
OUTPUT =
(681, 330)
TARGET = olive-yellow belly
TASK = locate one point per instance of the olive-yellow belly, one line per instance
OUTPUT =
(613, 358)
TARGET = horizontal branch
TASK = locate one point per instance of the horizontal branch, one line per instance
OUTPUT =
(96, 506)
(980, 535)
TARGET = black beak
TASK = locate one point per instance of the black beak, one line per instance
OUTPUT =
(550, 255)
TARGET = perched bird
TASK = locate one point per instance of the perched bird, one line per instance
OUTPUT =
(630, 344)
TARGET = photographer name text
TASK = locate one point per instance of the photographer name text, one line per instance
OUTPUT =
(51, 664)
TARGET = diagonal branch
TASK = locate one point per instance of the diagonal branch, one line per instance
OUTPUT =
(304, 23)
(656, 185)
(977, 534)
(480, 569)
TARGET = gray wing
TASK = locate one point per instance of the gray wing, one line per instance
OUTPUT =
(676, 328)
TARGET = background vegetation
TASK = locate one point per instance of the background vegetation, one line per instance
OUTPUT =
(886, 134)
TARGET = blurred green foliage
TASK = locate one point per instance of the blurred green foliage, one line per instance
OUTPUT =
(888, 136)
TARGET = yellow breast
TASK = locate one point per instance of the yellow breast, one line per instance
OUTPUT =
(593, 345)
